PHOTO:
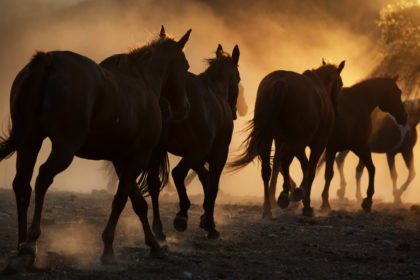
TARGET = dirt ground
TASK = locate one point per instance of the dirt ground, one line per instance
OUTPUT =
(345, 244)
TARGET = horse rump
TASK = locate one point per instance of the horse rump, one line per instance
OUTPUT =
(25, 99)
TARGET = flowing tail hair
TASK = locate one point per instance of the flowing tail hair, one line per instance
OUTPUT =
(156, 175)
(27, 88)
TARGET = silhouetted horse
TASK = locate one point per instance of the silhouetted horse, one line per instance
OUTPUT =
(203, 137)
(391, 138)
(296, 111)
(102, 112)
(353, 126)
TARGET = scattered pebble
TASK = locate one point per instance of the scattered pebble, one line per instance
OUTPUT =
(188, 274)
(4, 215)
(273, 235)
(351, 230)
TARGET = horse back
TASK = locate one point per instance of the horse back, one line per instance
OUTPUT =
(294, 105)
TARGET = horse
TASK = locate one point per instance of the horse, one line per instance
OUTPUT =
(295, 110)
(388, 137)
(108, 112)
(353, 126)
(202, 138)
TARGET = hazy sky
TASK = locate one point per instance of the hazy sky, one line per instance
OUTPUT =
(292, 35)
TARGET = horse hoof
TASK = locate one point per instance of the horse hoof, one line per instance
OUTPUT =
(213, 234)
(367, 205)
(267, 215)
(181, 222)
(325, 207)
(308, 212)
(158, 231)
(19, 263)
(340, 194)
(283, 201)
(108, 259)
(158, 253)
(298, 194)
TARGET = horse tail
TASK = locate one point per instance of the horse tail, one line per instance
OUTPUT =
(262, 127)
(26, 89)
(156, 175)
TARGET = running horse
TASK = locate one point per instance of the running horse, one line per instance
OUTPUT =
(295, 110)
(353, 127)
(108, 111)
(202, 138)
(389, 137)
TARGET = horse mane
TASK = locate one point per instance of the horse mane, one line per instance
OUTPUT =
(142, 52)
(215, 64)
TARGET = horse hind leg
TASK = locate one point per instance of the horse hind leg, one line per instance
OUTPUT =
(25, 163)
(340, 165)
(284, 200)
(60, 158)
(274, 175)
(265, 174)
(366, 157)
(394, 176)
(216, 164)
(359, 172)
(329, 173)
(409, 162)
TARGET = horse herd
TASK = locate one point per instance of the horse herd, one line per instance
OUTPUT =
(133, 108)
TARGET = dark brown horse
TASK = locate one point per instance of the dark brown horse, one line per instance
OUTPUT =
(203, 137)
(389, 137)
(101, 112)
(296, 111)
(353, 126)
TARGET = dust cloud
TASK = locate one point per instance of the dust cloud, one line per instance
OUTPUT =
(292, 35)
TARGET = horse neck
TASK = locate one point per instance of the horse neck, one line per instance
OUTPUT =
(156, 75)
(216, 85)
(368, 96)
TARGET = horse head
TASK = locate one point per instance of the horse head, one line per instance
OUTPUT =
(169, 54)
(329, 74)
(391, 100)
(223, 70)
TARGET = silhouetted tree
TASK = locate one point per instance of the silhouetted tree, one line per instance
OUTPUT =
(400, 29)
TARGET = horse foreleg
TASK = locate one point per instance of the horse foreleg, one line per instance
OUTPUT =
(329, 173)
(359, 172)
(365, 155)
(339, 160)
(178, 174)
(154, 190)
(140, 207)
(216, 164)
(118, 204)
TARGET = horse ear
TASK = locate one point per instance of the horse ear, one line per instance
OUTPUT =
(235, 55)
(184, 39)
(395, 78)
(323, 62)
(162, 33)
(341, 66)
(219, 51)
